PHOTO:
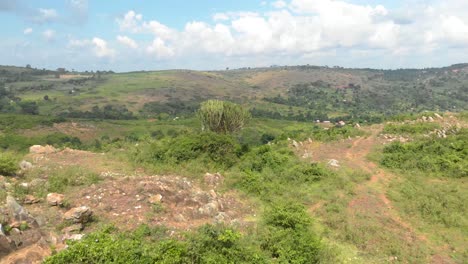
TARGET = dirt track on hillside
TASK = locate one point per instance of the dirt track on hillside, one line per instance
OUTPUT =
(370, 199)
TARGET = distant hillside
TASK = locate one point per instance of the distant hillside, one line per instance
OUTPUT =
(289, 92)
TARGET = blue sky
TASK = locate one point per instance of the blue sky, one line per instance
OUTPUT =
(214, 34)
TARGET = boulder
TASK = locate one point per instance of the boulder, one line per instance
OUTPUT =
(29, 199)
(213, 180)
(18, 212)
(38, 149)
(25, 165)
(438, 116)
(80, 214)
(55, 199)
(155, 199)
(333, 163)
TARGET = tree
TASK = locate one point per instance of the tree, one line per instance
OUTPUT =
(222, 117)
(29, 107)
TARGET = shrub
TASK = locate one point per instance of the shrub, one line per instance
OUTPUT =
(222, 117)
(8, 165)
(220, 149)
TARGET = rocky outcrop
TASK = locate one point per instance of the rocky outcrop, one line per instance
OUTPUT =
(38, 149)
(55, 199)
(80, 214)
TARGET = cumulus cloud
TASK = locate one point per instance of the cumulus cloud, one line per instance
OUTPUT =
(101, 49)
(159, 49)
(131, 22)
(126, 41)
(45, 15)
(279, 4)
(48, 34)
(27, 31)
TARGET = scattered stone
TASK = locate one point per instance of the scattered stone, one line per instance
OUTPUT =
(209, 209)
(424, 118)
(295, 144)
(357, 125)
(55, 199)
(213, 194)
(438, 116)
(38, 149)
(37, 183)
(155, 199)
(341, 123)
(333, 163)
(80, 214)
(74, 237)
(17, 211)
(213, 180)
(25, 165)
(430, 119)
(29, 199)
(221, 217)
(76, 228)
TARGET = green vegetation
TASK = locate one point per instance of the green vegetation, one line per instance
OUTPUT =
(222, 117)
(447, 156)
(410, 129)
(8, 164)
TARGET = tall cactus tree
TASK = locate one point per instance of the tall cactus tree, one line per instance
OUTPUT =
(222, 117)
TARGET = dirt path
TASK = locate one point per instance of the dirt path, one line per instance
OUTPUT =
(369, 209)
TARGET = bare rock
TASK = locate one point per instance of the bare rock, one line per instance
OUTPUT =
(213, 180)
(25, 165)
(357, 125)
(430, 119)
(38, 149)
(73, 237)
(333, 163)
(295, 144)
(438, 116)
(76, 228)
(55, 199)
(80, 214)
(17, 211)
(155, 199)
(29, 199)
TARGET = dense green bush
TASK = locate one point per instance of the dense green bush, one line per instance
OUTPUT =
(418, 128)
(222, 117)
(210, 244)
(438, 156)
(287, 235)
(12, 141)
(220, 149)
(8, 165)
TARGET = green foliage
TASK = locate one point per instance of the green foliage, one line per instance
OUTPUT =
(8, 164)
(216, 148)
(287, 236)
(411, 129)
(29, 107)
(210, 244)
(59, 181)
(222, 117)
(437, 156)
(12, 141)
(10, 122)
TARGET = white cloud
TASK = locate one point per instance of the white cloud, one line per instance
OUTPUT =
(100, 48)
(131, 22)
(27, 31)
(279, 4)
(124, 40)
(49, 34)
(220, 17)
(45, 15)
(159, 49)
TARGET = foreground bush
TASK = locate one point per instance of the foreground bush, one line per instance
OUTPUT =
(210, 244)
(222, 117)
(8, 165)
(438, 156)
(220, 149)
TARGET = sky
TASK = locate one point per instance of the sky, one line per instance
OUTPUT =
(137, 35)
